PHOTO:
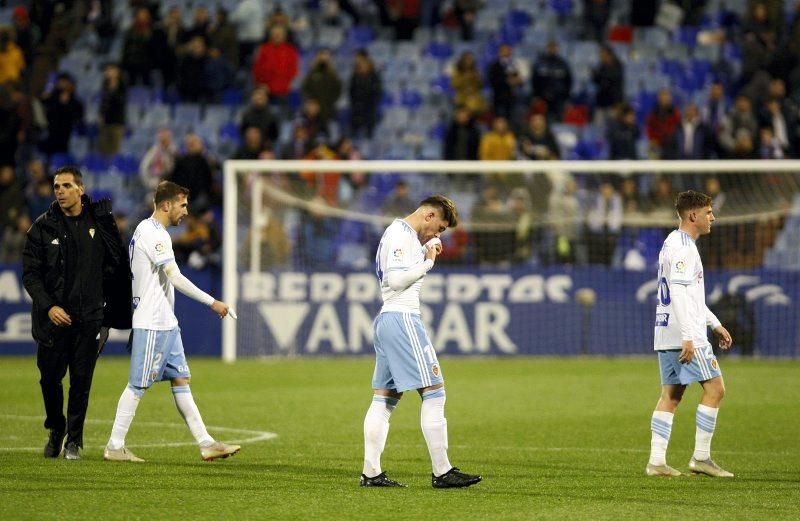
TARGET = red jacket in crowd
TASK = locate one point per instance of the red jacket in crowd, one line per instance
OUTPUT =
(276, 66)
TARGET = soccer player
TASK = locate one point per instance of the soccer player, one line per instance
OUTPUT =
(156, 346)
(405, 358)
(684, 353)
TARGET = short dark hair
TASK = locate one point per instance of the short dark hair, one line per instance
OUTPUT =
(691, 200)
(448, 208)
(74, 170)
(167, 191)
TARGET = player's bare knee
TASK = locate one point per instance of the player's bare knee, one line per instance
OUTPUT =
(391, 393)
(430, 388)
(176, 382)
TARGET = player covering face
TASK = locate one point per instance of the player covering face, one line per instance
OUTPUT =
(405, 358)
(684, 353)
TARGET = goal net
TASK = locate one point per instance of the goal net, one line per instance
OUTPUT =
(555, 258)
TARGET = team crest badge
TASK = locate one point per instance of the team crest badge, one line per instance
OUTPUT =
(435, 370)
(714, 364)
(91, 232)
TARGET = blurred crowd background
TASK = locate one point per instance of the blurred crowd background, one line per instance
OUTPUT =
(139, 91)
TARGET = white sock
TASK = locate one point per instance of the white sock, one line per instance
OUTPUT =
(706, 419)
(661, 427)
(126, 410)
(376, 430)
(434, 428)
(188, 409)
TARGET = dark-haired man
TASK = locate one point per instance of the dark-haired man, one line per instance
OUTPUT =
(75, 267)
(684, 353)
(156, 347)
(405, 358)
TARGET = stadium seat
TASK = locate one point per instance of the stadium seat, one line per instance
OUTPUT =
(519, 18)
(232, 97)
(95, 163)
(125, 164)
(360, 35)
(59, 160)
(440, 50)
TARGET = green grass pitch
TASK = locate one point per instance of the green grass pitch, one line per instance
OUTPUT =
(553, 439)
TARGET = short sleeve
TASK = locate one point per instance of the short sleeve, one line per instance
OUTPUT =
(398, 255)
(682, 266)
(158, 248)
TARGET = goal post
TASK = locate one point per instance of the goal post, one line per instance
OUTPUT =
(244, 192)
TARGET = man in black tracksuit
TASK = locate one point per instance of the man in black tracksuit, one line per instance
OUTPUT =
(76, 269)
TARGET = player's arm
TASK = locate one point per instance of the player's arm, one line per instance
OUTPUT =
(724, 336)
(680, 308)
(682, 269)
(188, 288)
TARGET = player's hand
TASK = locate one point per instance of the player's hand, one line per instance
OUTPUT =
(59, 317)
(431, 253)
(687, 352)
(220, 308)
(725, 340)
(433, 248)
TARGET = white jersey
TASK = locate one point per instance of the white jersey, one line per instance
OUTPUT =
(679, 263)
(153, 294)
(399, 249)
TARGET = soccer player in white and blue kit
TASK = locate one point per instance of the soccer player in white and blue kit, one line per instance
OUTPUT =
(684, 353)
(405, 358)
(156, 348)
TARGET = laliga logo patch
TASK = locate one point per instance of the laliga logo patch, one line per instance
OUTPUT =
(714, 364)
(397, 254)
(680, 267)
(435, 370)
(159, 247)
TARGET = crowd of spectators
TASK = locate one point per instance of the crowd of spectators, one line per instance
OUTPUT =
(505, 109)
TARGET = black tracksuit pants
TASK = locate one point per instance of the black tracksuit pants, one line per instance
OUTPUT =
(74, 348)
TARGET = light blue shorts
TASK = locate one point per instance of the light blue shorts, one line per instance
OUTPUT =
(157, 356)
(704, 366)
(404, 356)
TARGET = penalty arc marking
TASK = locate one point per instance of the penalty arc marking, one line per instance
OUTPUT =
(250, 436)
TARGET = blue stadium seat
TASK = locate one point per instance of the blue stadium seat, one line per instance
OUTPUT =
(410, 98)
(562, 7)
(126, 164)
(59, 160)
(360, 35)
(96, 163)
(519, 18)
(232, 97)
(96, 195)
(439, 50)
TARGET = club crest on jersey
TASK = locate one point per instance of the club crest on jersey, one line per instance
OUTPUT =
(714, 364)
(680, 267)
(91, 233)
(397, 254)
(435, 370)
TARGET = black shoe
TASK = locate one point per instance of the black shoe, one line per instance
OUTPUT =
(454, 478)
(381, 480)
(53, 447)
(72, 451)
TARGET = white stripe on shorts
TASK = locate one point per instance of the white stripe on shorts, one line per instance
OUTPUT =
(148, 355)
(702, 365)
(418, 355)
